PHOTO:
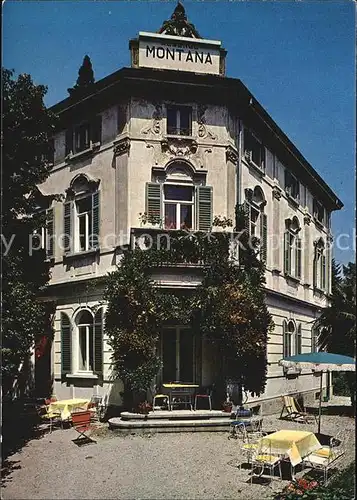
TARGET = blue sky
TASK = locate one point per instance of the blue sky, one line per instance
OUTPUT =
(297, 58)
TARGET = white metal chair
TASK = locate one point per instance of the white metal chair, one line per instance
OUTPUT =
(262, 459)
(326, 457)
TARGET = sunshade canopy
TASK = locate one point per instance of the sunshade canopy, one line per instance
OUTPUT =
(320, 361)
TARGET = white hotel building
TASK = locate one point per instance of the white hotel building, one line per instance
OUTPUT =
(173, 133)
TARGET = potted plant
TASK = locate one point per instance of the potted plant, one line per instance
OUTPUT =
(144, 408)
(152, 220)
(227, 406)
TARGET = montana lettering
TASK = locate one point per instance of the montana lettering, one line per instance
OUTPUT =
(176, 54)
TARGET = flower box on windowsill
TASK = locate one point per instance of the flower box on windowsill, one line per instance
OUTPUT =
(85, 253)
(88, 375)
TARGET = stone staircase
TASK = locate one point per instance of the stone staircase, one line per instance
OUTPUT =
(172, 421)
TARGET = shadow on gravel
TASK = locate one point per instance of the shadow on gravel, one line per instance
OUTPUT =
(20, 424)
(343, 411)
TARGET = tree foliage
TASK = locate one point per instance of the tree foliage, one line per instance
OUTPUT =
(228, 308)
(27, 129)
(85, 77)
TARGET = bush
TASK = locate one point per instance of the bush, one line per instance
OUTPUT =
(341, 487)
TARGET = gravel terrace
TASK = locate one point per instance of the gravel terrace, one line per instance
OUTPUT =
(158, 466)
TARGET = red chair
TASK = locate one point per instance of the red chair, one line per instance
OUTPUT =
(82, 424)
(204, 393)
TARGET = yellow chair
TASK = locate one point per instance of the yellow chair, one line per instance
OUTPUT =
(52, 417)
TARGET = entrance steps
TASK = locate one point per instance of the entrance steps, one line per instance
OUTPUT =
(172, 421)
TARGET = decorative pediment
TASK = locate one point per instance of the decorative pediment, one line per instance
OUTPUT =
(82, 183)
(178, 146)
(178, 24)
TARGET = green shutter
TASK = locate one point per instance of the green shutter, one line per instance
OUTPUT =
(153, 199)
(68, 227)
(298, 257)
(287, 253)
(96, 129)
(94, 237)
(298, 339)
(66, 355)
(69, 141)
(204, 208)
(263, 237)
(50, 248)
(98, 342)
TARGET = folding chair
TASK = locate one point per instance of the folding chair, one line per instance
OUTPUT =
(291, 410)
(302, 414)
(82, 424)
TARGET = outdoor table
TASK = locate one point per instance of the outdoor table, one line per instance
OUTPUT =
(182, 390)
(66, 406)
(290, 443)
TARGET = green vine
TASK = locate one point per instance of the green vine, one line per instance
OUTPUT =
(228, 308)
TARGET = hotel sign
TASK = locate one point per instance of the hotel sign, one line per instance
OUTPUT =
(177, 53)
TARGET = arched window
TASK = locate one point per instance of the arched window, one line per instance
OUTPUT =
(292, 249)
(81, 215)
(85, 360)
(292, 338)
(319, 265)
(82, 346)
(256, 218)
(178, 202)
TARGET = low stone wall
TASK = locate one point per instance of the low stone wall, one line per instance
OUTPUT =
(274, 405)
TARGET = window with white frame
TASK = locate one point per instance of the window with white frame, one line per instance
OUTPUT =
(292, 185)
(292, 338)
(82, 344)
(292, 249)
(43, 237)
(256, 218)
(84, 135)
(81, 216)
(318, 211)
(254, 150)
(179, 120)
(177, 203)
(85, 342)
(319, 265)
(178, 206)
